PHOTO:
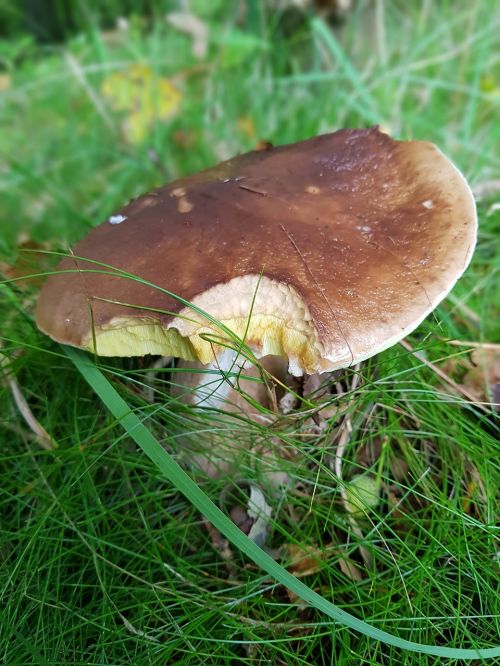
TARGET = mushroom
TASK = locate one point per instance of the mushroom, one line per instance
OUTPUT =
(324, 252)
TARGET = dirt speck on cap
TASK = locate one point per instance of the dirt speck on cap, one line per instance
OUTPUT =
(184, 206)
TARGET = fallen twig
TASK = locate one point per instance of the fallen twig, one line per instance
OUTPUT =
(41, 435)
(475, 345)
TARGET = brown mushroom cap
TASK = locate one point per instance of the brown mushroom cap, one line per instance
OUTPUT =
(326, 251)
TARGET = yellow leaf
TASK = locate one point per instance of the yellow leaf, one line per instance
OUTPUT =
(490, 85)
(246, 125)
(5, 82)
(143, 97)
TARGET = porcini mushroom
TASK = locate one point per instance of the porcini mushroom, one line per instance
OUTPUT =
(326, 252)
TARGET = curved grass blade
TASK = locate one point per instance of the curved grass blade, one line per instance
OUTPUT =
(183, 482)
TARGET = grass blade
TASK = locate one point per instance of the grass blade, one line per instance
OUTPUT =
(367, 109)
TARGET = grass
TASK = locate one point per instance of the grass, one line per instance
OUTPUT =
(106, 562)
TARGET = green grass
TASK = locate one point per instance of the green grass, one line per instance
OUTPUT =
(104, 561)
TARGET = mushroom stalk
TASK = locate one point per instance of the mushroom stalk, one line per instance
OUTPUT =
(216, 383)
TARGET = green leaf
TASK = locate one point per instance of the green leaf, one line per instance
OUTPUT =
(362, 493)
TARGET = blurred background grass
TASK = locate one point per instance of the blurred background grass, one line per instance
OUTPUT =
(103, 563)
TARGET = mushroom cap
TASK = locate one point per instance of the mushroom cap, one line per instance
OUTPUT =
(326, 251)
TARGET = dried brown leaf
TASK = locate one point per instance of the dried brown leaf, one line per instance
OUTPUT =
(30, 260)
(219, 542)
(444, 375)
(304, 560)
(482, 380)
(348, 568)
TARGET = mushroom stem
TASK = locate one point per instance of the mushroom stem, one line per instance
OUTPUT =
(221, 451)
(216, 384)
(213, 386)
